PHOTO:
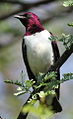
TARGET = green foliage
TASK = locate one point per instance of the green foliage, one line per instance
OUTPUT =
(48, 84)
(70, 24)
(68, 3)
(67, 76)
(47, 81)
(38, 109)
(67, 40)
(24, 86)
(14, 82)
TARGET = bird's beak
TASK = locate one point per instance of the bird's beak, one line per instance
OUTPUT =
(19, 17)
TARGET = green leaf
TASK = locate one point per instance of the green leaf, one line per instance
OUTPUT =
(16, 82)
(19, 89)
(49, 83)
(41, 94)
(70, 24)
(67, 40)
(20, 93)
(38, 109)
(29, 83)
(67, 76)
(68, 3)
(50, 76)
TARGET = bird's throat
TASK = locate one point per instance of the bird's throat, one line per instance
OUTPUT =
(30, 30)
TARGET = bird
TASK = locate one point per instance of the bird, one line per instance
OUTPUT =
(39, 52)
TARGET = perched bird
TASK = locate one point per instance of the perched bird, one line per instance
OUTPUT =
(39, 52)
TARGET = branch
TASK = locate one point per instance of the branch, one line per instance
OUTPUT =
(12, 2)
(62, 59)
(24, 7)
(28, 4)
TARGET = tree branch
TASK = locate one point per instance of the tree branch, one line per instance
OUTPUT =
(24, 7)
(12, 2)
(62, 59)
(28, 4)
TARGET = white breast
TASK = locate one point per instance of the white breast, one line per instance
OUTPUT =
(39, 52)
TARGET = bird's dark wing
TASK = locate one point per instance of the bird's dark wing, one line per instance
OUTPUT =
(55, 103)
(56, 57)
(24, 53)
(56, 51)
(30, 74)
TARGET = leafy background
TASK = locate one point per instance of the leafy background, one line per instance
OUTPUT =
(55, 18)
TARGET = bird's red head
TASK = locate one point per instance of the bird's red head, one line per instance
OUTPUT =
(30, 21)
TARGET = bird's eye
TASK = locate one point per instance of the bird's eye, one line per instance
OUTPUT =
(27, 15)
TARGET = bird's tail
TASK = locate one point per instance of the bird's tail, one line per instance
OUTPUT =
(22, 115)
(53, 103)
(56, 106)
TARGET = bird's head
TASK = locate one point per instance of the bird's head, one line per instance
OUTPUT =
(30, 21)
